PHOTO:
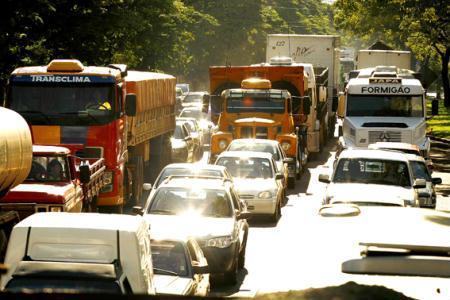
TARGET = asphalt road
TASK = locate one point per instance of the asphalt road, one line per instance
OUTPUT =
(283, 256)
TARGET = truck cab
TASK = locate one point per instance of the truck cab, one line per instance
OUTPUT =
(383, 104)
(57, 182)
(257, 111)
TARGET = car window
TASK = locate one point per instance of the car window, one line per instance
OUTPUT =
(169, 256)
(178, 201)
(257, 147)
(186, 171)
(420, 170)
(372, 171)
(247, 167)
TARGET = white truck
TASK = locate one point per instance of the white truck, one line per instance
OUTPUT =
(84, 252)
(373, 58)
(383, 104)
(318, 50)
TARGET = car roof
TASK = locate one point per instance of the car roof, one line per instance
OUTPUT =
(88, 221)
(193, 108)
(246, 154)
(256, 141)
(195, 166)
(186, 119)
(414, 157)
(197, 93)
(373, 154)
(190, 182)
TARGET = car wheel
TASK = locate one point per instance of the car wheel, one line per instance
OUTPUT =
(291, 182)
(241, 261)
(230, 277)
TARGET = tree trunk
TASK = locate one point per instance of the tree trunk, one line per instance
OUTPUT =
(444, 73)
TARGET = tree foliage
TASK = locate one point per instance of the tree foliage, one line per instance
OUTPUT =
(420, 25)
(182, 37)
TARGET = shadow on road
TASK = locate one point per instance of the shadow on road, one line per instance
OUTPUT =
(220, 289)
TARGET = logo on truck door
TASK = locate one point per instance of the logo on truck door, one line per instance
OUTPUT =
(385, 137)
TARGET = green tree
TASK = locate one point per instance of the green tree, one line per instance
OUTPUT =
(421, 25)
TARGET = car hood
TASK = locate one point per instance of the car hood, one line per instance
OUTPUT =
(173, 285)
(199, 227)
(252, 185)
(43, 193)
(357, 192)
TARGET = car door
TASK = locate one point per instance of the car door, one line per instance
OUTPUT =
(242, 224)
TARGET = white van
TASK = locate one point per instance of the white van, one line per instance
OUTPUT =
(83, 252)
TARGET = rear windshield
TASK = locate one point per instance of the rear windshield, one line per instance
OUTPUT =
(58, 285)
(184, 171)
(257, 147)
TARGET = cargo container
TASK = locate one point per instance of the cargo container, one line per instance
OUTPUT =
(373, 58)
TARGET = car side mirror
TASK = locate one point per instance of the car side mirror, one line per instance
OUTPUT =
(279, 176)
(288, 160)
(325, 178)
(420, 183)
(147, 186)
(85, 173)
(130, 105)
(436, 180)
(138, 210)
(199, 269)
(243, 215)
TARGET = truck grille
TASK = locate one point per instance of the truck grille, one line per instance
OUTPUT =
(385, 136)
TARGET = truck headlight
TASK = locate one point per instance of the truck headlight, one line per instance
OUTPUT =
(222, 144)
(55, 209)
(265, 195)
(219, 242)
(286, 146)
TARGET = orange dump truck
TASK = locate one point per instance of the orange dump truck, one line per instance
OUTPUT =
(125, 117)
(286, 85)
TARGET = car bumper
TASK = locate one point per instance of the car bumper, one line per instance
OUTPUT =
(262, 207)
(220, 260)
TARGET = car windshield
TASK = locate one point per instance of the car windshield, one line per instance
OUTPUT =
(257, 147)
(420, 170)
(186, 171)
(179, 201)
(61, 285)
(384, 106)
(169, 257)
(247, 167)
(193, 113)
(193, 98)
(255, 102)
(63, 104)
(48, 169)
(372, 171)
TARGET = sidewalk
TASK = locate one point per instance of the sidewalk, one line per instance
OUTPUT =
(440, 154)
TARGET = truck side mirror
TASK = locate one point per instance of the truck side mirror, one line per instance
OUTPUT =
(306, 105)
(85, 173)
(341, 106)
(130, 105)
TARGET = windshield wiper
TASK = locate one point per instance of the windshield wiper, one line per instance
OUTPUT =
(163, 271)
(35, 112)
(78, 115)
(162, 212)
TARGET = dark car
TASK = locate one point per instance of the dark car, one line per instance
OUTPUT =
(182, 144)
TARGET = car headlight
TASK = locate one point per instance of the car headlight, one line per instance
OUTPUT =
(286, 146)
(56, 209)
(265, 195)
(222, 144)
(219, 242)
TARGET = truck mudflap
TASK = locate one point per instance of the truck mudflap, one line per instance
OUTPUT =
(7, 221)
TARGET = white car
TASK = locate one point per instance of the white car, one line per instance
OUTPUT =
(266, 146)
(372, 177)
(256, 180)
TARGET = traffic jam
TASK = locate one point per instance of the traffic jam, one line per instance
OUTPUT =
(127, 182)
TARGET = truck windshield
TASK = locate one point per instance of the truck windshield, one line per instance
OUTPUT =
(384, 106)
(255, 102)
(48, 169)
(63, 104)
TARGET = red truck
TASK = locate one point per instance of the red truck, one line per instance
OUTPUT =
(58, 181)
(125, 117)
